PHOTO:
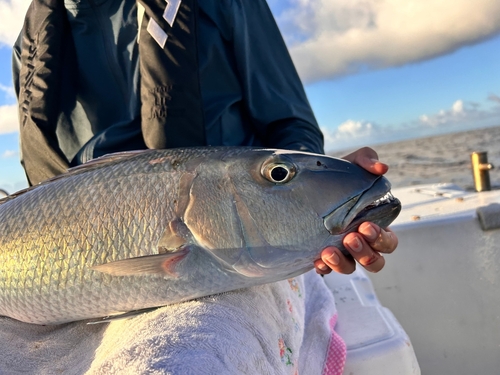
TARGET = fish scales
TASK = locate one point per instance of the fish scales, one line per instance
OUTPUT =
(72, 229)
(193, 205)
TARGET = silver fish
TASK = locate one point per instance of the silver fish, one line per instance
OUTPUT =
(144, 229)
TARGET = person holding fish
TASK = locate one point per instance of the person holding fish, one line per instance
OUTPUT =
(95, 77)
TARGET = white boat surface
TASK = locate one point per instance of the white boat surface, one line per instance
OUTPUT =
(443, 282)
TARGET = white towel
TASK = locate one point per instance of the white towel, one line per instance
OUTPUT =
(279, 328)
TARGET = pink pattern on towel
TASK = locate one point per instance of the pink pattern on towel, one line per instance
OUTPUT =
(337, 352)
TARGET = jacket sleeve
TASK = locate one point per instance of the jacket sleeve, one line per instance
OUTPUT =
(16, 64)
(273, 92)
(38, 60)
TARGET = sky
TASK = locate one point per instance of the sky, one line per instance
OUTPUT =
(375, 71)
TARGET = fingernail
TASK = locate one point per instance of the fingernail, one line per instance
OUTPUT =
(354, 244)
(371, 232)
(376, 161)
(323, 267)
(334, 259)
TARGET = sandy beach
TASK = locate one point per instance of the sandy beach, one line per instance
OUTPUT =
(442, 158)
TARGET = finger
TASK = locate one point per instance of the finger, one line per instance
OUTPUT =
(377, 167)
(333, 259)
(372, 165)
(367, 158)
(363, 253)
(384, 241)
(321, 267)
(361, 153)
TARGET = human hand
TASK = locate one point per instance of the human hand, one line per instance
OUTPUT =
(367, 244)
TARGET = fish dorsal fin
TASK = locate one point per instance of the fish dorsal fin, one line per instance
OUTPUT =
(16, 194)
(105, 160)
(159, 265)
(97, 163)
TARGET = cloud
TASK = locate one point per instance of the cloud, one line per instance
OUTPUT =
(9, 154)
(9, 91)
(494, 98)
(350, 132)
(351, 128)
(8, 119)
(460, 116)
(332, 38)
(459, 113)
(458, 107)
(13, 12)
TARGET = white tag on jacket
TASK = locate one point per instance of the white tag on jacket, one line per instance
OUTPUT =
(171, 11)
(140, 16)
(158, 34)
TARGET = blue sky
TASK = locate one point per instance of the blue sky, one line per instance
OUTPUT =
(375, 71)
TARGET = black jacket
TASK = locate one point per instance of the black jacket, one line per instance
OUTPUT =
(250, 90)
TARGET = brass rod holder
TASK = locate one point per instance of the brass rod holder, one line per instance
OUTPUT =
(481, 170)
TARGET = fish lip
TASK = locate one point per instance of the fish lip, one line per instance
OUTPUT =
(382, 215)
(376, 204)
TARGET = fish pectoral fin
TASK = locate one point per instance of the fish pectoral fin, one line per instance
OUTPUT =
(247, 267)
(251, 272)
(129, 314)
(160, 265)
(174, 237)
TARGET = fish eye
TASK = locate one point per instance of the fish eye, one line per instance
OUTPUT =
(279, 173)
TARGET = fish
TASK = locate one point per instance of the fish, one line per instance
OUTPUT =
(137, 230)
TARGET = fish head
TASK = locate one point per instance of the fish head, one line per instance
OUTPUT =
(275, 210)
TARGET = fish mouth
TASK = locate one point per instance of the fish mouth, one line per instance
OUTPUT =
(376, 204)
